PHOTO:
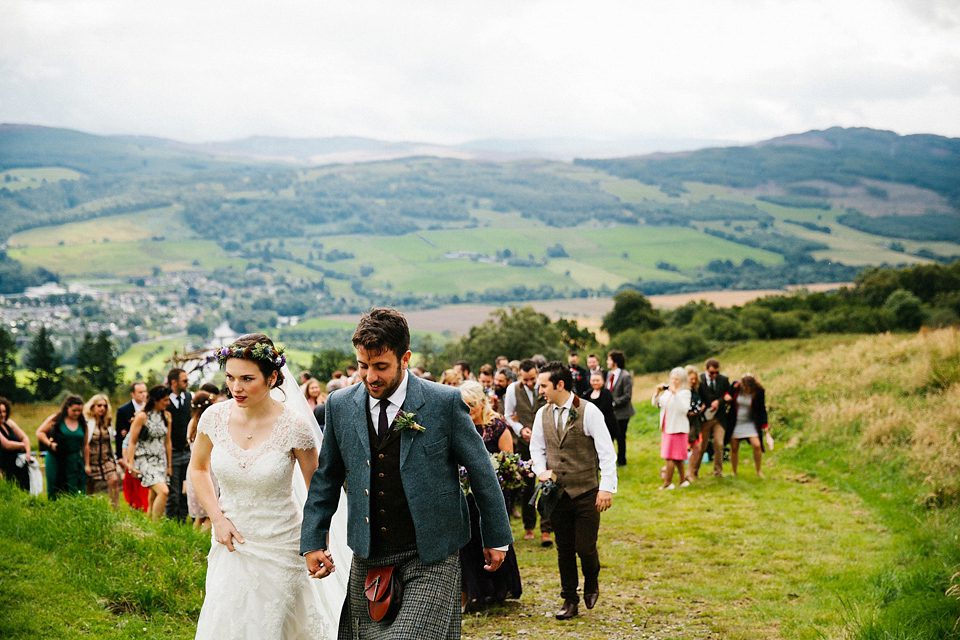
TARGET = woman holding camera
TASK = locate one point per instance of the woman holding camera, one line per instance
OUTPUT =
(673, 399)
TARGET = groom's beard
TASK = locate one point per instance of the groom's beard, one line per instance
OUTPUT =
(500, 391)
(387, 390)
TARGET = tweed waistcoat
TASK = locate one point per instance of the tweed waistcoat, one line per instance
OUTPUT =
(526, 411)
(391, 523)
(574, 458)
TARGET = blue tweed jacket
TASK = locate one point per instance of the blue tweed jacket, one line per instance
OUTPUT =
(428, 468)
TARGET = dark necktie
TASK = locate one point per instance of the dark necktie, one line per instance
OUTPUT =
(383, 425)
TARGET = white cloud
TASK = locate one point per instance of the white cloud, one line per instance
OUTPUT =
(446, 72)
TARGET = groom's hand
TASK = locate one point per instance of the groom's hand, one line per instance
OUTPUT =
(319, 563)
(493, 559)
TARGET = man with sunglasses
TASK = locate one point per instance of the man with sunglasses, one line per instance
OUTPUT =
(714, 390)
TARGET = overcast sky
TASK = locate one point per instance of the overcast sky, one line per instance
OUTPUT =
(449, 71)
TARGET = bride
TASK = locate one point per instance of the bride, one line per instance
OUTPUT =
(257, 585)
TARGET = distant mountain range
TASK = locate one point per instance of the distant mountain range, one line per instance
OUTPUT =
(15, 139)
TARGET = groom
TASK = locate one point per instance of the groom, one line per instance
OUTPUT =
(395, 443)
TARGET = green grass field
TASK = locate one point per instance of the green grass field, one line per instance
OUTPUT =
(24, 178)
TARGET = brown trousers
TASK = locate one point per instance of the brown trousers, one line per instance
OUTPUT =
(715, 429)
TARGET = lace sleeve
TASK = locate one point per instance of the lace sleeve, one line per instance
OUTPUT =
(301, 434)
(207, 421)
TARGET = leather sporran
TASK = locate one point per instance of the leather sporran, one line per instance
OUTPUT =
(384, 591)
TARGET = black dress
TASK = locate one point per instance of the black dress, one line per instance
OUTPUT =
(8, 461)
(483, 586)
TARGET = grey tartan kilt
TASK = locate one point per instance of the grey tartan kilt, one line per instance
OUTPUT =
(431, 600)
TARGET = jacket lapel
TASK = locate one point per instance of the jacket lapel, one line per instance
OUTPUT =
(412, 403)
(361, 413)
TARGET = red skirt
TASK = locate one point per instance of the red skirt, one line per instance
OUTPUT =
(136, 495)
(673, 446)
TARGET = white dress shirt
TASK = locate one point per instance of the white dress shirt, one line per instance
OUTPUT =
(510, 405)
(593, 427)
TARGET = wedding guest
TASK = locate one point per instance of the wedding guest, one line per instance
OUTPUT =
(336, 382)
(593, 365)
(135, 494)
(102, 468)
(673, 399)
(714, 391)
(571, 443)
(694, 415)
(13, 443)
(521, 404)
(601, 396)
(179, 411)
(150, 453)
(125, 413)
(581, 378)
(463, 368)
(451, 378)
(313, 393)
(201, 401)
(64, 434)
(620, 384)
(480, 586)
(748, 421)
(305, 376)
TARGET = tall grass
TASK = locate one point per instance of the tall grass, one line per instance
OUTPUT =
(879, 416)
(77, 567)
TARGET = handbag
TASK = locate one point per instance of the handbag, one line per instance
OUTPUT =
(384, 591)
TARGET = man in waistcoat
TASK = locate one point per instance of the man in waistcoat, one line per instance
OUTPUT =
(571, 443)
(714, 391)
(519, 409)
(179, 409)
(395, 443)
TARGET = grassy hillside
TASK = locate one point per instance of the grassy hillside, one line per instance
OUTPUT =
(852, 535)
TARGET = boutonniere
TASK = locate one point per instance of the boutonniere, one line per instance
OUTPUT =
(573, 410)
(405, 420)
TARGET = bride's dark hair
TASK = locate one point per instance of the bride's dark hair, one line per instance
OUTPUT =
(250, 340)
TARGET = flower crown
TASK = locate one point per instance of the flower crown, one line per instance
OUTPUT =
(259, 351)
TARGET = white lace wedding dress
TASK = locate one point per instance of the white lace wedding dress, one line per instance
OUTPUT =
(261, 590)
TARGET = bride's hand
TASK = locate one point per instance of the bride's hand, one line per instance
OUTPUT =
(226, 533)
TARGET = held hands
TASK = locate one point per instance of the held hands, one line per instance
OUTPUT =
(493, 559)
(604, 500)
(319, 563)
(225, 533)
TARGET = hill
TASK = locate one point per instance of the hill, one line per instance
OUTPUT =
(422, 231)
(852, 534)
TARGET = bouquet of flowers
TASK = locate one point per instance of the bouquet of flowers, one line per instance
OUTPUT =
(512, 472)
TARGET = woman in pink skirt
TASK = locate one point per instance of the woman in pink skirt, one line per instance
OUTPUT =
(674, 402)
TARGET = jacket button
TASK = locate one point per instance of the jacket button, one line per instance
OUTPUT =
(380, 493)
(367, 520)
(368, 463)
(382, 512)
(366, 492)
(383, 529)
(380, 475)
(381, 456)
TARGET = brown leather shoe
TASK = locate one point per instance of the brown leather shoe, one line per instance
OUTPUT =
(545, 540)
(568, 610)
(590, 599)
